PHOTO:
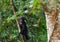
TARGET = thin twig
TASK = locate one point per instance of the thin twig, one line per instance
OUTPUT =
(14, 12)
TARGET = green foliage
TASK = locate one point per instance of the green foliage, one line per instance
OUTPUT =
(35, 21)
(36, 3)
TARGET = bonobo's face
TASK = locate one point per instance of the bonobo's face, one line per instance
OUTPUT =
(21, 21)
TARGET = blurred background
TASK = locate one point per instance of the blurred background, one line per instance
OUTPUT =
(35, 20)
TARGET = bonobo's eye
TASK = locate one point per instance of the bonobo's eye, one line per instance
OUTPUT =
(20, 20)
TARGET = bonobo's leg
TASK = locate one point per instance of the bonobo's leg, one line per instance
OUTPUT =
(26, 36)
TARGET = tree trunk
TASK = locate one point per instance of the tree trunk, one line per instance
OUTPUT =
(52, 20)
(51, 23)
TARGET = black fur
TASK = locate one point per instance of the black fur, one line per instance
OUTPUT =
(23, 27)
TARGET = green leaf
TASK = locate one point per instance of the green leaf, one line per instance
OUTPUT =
(35, 25)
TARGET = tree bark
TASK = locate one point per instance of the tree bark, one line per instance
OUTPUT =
(51, 23)
(52, 20)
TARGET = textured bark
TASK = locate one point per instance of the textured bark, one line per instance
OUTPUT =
(53, 26)
(56, 32)
(52, 20)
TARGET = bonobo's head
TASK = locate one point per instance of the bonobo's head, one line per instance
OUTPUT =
(22, 20)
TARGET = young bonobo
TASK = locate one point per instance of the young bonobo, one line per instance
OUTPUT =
(23, 27)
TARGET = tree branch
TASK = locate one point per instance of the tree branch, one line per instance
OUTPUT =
(14, 12)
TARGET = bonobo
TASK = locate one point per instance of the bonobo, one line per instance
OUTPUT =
(23, 27)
